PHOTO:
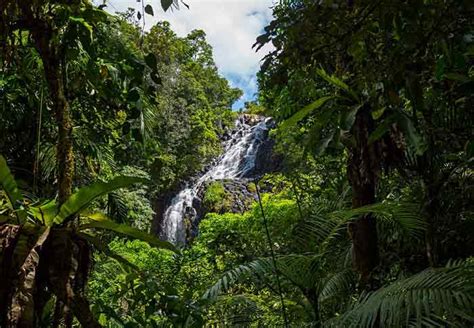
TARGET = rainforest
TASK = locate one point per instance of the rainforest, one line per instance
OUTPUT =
(142, 187)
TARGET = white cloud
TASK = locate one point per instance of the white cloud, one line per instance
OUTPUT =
(231, 27)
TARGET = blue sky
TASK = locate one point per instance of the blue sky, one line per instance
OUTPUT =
(231, 27)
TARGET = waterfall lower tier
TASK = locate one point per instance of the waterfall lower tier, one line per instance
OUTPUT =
(237, 162)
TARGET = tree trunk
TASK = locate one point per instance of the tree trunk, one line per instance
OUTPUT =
(362, 169)
(52, 64)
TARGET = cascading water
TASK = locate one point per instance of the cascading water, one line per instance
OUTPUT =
(237, 161)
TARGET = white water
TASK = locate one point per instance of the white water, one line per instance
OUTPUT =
(236, 162)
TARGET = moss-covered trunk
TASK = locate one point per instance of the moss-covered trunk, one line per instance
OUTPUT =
(52, 63)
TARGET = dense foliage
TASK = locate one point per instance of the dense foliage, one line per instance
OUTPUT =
(369, 222)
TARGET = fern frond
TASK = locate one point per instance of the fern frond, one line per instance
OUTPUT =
(300, 270)
(404, 217)
(427, 298)
(341, 283)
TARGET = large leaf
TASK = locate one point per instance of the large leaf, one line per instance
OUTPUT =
(301, 114)
(411, 134)
(101, 221)
(104, 248)
(9, 184)
(338, 83)
(45, 213)
(83, 198)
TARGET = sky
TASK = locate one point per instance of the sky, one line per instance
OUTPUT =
(231, 27)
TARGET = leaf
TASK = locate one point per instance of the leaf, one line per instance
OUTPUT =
(457, 77)
(299, 115)
(83, 198)
(323, 144)
(9, 184)
(151, 61)
(45, 213)
(166, 4)
(338, 83)
(101, 221)
(349, 117)
(104, 248)
(87, 28)
(261, 41)
(139, 15)
(424, 297)
(411, 134)
(382, 129)
(149, 10)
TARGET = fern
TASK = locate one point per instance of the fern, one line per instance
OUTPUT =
(338, 284)
(434, 297)
(300, 270)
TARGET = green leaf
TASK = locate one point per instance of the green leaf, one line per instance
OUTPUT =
(382, 128)
(166, 4)
(149, 10)
(411, 134)
(45, 213)
(9, 184)
(338, 83)
(104, 248)
(83, 198)
(457, 77)
(349, 117)
(299, 115)
(101, 221)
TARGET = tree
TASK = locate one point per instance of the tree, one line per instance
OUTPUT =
(376, 59)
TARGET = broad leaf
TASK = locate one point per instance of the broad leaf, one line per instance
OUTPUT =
(45, 213)
(104, 248)
(101, 221)
(301, 114)
(411, 134)
(9, 184)
(338, 83)
(83, 198)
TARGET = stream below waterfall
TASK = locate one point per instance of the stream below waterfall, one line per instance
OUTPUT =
(236, 162)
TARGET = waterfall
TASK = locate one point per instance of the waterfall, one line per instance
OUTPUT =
(236, 162)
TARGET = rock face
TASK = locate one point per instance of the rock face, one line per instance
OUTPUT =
(266, 161)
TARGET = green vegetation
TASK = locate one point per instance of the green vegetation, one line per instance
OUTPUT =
(216, 199)
(369, 222)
